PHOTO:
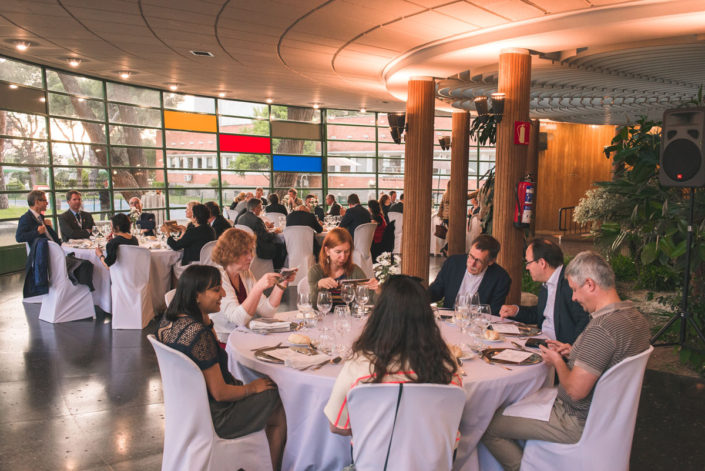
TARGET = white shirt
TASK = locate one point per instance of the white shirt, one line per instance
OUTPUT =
(471, 283)
(549, 326)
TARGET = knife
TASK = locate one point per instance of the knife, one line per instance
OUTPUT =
(522, 348)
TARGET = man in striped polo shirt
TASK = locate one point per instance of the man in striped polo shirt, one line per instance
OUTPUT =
(616, 331)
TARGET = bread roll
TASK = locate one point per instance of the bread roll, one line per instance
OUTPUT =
(299, 339)
(491, 335)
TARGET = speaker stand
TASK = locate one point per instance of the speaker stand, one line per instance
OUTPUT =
(684, 316)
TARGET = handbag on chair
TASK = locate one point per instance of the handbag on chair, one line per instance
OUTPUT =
(441, 231)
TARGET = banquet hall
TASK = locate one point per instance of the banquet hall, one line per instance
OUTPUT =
(180, 101)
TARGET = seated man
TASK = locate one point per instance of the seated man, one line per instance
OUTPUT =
(334, 209)
(259, 194)
(268, 246)
(274, 206)
(557, 315)
(75, 223)
(147, 222)
(616, 331)
(302, 216)
(312, 204)
(473, 273)
(216, 220)
(355, 215)
(292, 201)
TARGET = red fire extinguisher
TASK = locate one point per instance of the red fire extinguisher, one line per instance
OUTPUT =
(525, 203)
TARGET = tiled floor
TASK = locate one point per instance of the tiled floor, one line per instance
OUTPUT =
(80, 396)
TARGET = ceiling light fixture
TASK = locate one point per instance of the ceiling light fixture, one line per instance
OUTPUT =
(43, 100)
(269, 100)
(22, 45)
(13, 86)
(316, 105)
(173, 86)
(221, 94)
(125, 74)
(363, 110)
(74, 61)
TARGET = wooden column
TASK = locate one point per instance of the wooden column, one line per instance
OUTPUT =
(514, 82)
(532, 167)
(457, 222)
(418, 171)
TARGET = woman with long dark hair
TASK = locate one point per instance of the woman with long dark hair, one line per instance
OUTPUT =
(237, 409)
(377, 216)
(193, 238)
(121, 236)
(400, 342)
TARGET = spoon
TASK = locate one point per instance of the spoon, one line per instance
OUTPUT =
(334, 361)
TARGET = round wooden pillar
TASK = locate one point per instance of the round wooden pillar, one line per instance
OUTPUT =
(457, 222)
(514, 82)
(418, 171)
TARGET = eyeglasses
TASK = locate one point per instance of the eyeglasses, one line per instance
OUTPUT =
(526, 264)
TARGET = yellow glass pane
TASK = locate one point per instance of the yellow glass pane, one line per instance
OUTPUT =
(189, 121)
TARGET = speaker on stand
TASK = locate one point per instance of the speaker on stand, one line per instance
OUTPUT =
(682, 164)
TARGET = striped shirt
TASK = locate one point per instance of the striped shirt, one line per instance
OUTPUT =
(615, 332)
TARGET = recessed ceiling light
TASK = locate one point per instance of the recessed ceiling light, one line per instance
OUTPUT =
(173, 86)
(42, 99)
(221, 94)
(316, 105)
(202, 53)
(363, 110)
(269, 100)
(125, 74)
(81, 99)
(74, 61)
(13, 86)
(22, 45)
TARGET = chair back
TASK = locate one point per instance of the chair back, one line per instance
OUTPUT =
(206, 250)
(130, 290)
(245, 228)
(364, 233)
(398, 219)
(299, 249)
(302, 286)
(606, 442)
(169, 296)
(425, 432)
(271, 217)
(259, 266)
(64, 302)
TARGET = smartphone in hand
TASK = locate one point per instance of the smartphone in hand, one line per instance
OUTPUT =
(286, 273)
(534, 343)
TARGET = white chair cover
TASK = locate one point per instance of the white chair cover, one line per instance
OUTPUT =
(271, 217)
(169, 296)
(302, 286)
(245, 228)
(190, 441)
(364, 233)
(299, 249)
(33, 299)
(131, 296)
(425, 432)
(606, 442)
(64, 302)
(206, 250)
(398, 219)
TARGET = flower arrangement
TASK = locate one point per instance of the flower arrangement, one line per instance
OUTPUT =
(134, 216)
(387, 264)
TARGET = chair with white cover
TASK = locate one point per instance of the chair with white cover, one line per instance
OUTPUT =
(259, 266)
(398, 219)
(364, 233)
(131, 296)
(206, 250)
(190, 441)
(33, 299)
(245, 228)
(299, 249)
(169, 296)
(425, 431)
(64, 302)
(606, 442)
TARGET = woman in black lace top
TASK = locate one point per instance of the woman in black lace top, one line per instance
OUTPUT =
(237, 409)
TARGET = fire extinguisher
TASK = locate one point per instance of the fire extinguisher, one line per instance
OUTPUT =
(525, 203)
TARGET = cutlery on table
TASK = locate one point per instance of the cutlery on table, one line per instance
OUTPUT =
(522, 348)
(489, 362)
(333, 361)
(264, 349)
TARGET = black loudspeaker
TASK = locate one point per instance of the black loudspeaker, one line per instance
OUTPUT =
(682, 160)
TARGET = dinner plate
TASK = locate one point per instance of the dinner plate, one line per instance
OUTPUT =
(268, 358)
(524, 330)
(491, 352)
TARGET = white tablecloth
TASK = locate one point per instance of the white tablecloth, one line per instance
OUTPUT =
(310, 444)
(159, 275)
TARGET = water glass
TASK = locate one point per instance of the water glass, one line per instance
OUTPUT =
(341, 312)
(324, 302)
(347, 292)
(326, 340)
(462, 300)
(362, 294)
(462, 317)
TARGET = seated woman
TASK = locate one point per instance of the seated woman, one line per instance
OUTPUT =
(121, 236)
(377, 240)
(334, 265)
(244, 295)
(193, 238)
(237, 409)
(399, 343)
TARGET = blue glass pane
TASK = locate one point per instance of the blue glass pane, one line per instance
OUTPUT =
(288, 163)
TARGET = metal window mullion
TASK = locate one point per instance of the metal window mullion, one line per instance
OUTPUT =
(108, 157)
(324, 155)
(376, 155)
(164, 157)
(217, 157)
(47, 121)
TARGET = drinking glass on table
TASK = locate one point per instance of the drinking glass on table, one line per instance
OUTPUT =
(462, 317)
(303, 303)
(347, 292)
(342, 327)
(94, 231)
(362, 294)
(483, 317)
(324, 302)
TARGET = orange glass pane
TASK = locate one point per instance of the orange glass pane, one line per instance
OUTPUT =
(189, 121)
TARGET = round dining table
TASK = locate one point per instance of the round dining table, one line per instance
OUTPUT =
(162, 259)
(310, 444)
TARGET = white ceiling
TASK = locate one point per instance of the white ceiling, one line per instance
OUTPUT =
(595, 61)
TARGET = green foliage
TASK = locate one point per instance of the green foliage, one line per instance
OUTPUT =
(484, 129)
(624, 267)
(528, 285)
(657, 278)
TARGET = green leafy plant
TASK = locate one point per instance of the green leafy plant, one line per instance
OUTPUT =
(624, 267)
(484, 129)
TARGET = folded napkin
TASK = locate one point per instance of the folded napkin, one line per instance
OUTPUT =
(537, 405)
(257, 324)
(298, 360)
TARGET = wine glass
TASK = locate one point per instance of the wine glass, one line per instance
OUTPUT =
(462, 317)
(94, 232)
(303, 303)
(324, 302)
(347, 292)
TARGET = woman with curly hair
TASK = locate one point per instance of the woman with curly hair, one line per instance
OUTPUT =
(400, 342)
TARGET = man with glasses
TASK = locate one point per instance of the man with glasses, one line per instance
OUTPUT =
(557, 315)
(75, 223)
(473, 273)
(146, 221)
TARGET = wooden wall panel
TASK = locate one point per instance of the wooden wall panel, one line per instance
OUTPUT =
(573, 160)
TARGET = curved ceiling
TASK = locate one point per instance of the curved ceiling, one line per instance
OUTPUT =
(594, 61)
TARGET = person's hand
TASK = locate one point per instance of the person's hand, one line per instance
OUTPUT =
(508, 310)
(98, 252)
(267, 281)
(550, 356)
(260, 385)
(164, 229)
(373, 284)
(291, 277)
(560, 347)
(42, 229)
(327, 283)
(47, 222)
(278, 230)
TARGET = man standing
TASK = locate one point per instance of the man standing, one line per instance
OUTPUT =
(615, 332)
(146, 221)
(355, 215)
(216, 220)
(392, 197)
(473, 273)
(312, 204)
(397, 207)
(32, 224)
(74, 223)
(334, 209)
(268, 246)
(557, 315)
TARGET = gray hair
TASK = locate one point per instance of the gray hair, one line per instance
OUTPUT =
(253, 203)
(591, 265)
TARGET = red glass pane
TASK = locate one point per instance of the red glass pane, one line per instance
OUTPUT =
(247, 144)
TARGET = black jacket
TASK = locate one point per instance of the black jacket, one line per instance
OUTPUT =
(397, 207)
(303, 218)
(276, 208)
(27, 229)
(266, 241)
(493, 289)
(192, 242)
(569, 318)
(354, 217)
(334, 210)
(220, 225)
(69, 225)
(147, 221)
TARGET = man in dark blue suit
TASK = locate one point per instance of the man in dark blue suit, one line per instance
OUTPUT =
(32, 223)
(147, 222)
(471, 273)
(355, 215)
(557, 315)
(268, 246)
